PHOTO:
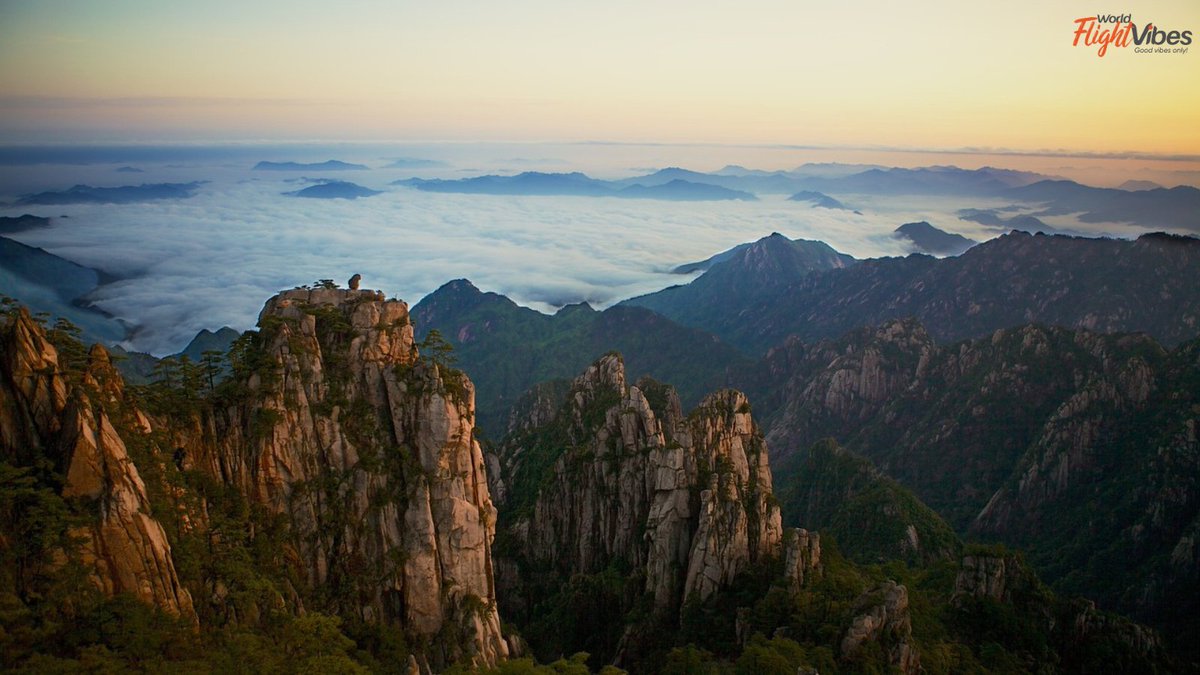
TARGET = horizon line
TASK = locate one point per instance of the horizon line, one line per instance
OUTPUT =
(1065, 153)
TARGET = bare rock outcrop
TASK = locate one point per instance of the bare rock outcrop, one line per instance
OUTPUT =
(1076, 624)
(43, 415)
(625, 477)
(884, 617)
(333, 423)
(370, 451)
(1015, 438)
(992, 576)
(801, 557)
(1088, 622)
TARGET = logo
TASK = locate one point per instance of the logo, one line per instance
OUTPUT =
(1120, 32)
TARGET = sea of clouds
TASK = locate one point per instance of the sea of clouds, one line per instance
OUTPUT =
(213, 259)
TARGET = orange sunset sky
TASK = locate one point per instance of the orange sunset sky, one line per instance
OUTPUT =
(856, 74)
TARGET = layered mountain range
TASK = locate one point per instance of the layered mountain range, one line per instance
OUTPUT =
(1075, 446)
(1066, 438)
(1096, 284)
(1041, 195)
(324, 496)
(124, 194)
(578, 185)
(538, 347)
(704, 334)
(328, 507)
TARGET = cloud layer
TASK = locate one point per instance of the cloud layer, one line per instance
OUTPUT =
(213, 259)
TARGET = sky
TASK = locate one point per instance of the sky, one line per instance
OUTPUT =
(131, 91)
(856, 74)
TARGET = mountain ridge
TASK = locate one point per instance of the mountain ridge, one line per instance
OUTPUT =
(1110, 285)
(333, 189)
(536, 183)
(1094, 430)
(512, 348)
(327, 165)
(737, 277)
(926, 238)
(125, 194)
(263, 513)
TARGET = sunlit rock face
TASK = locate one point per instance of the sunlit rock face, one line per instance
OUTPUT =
(336, 424)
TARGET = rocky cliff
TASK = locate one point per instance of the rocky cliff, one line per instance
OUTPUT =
(882, 616)
(801, 557)
(358, 453)
(993, 583)
(72, 423)
(326, 509)
(1000, 577)
(1078, 447)
(370, 452)
(620, 478)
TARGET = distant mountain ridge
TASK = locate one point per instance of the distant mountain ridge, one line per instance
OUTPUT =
(125, 194)
(1139, 185)
(817, 199)
(207, 340)
(1097, 284)
(928, 239)
(49, 283)
(14, 224)
(1173, 208)
(1157, 207)
(738, 278)
(704, 265)
(333, 189)
(327, 165)
(510, 348)
(841, 179)
(415, 163)
(577, 184)
(139, 367)
(930, 180)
